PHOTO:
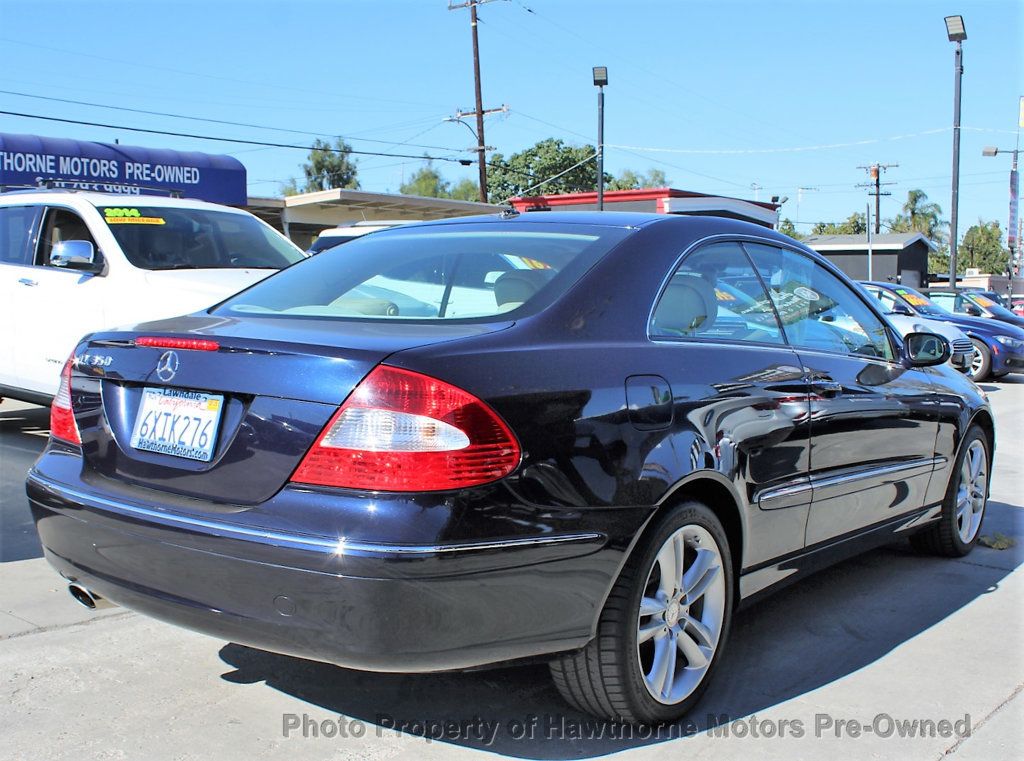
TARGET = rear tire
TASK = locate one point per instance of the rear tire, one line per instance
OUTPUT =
(981, 362)
(659, 637)
(963, 508)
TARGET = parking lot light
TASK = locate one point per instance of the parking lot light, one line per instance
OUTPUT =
(957, 33)
(600, 80)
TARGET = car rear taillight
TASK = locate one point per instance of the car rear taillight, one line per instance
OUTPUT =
(62, 417)
(403, 431)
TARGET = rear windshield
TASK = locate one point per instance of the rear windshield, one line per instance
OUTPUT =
(171, 238)
(433, 273)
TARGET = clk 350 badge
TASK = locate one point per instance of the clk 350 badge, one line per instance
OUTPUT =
(94, 360)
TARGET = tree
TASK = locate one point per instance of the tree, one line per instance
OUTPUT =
(855, 224)
(330, 167)
(786, 227)
(630, 180)
(982, 247)
(521, 171)
(465, 190)
(426, 181)
(919, 215)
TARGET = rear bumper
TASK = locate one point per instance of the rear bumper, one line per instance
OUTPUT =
(378, 607)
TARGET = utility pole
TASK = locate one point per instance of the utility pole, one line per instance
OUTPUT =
(481, 144)
(875, 174)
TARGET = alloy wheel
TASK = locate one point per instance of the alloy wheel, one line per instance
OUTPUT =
(971, 492)
(681, 613)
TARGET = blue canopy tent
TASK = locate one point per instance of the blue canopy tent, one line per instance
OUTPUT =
(33, 161)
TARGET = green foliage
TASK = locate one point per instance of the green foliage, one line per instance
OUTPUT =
(786, 227)
(982, 247)
(427, 181)
(920, 215)
(465, 190)
(330, 167)
(509, 177)
(855, 224)
(290, 188)
(938, 261)
(630, 180)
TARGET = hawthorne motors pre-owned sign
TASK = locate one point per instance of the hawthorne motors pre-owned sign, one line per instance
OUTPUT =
(30, 161)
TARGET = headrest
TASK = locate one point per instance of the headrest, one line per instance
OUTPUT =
(519, 286)
(687, 307)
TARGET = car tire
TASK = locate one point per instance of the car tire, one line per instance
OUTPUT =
(619, 673)
(981, 362)
(996, 376)
(963, 508)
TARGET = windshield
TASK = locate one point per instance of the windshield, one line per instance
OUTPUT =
(431, 273)
(920, 303)
(993, 307)
(171, 237)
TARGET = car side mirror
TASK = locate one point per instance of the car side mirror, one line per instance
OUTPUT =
(898, 308)
(76, 255)
(926, 349)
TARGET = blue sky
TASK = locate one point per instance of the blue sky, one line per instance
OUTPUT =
(725, 91)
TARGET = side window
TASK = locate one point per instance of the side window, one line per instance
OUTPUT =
(61, 225)
(16, 226)
(817, 309)
(716, 294)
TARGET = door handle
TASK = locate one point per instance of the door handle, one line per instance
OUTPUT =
(28, 281)
(826, 387)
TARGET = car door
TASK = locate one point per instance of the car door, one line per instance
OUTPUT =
(873, 421)
(740, 392)
(17, 231)
(54, 306)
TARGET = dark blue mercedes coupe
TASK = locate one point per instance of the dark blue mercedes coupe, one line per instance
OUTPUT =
(577, 437)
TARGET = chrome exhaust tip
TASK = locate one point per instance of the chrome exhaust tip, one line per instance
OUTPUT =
(91, 600)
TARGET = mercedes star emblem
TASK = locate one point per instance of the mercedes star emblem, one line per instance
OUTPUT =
(167, 366)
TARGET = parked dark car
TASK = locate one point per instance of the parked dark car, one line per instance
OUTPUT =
(585, 455)
(973, 304)
(998, 345)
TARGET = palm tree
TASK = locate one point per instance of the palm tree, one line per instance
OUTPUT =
(920, 215)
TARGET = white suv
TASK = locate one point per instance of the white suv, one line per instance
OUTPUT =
(75, 262)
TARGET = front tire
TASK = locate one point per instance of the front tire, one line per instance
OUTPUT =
(664, 626)
(981, 362)
(963, 509)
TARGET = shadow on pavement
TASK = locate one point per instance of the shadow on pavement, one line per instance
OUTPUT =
(806, 636)
(23, 433)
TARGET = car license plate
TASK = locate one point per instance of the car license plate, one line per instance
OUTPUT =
(178, 422)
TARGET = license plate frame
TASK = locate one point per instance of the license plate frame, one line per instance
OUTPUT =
(177, 422)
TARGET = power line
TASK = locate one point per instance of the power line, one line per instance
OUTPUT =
(221, 121)
(204, 75)
(243, 141)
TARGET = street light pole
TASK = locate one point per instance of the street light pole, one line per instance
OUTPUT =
(600, 80)
(957, 33)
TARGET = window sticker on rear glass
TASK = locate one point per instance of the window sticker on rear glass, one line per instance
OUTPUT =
(122, 216)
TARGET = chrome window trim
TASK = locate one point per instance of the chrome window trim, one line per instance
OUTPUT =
(340, 546)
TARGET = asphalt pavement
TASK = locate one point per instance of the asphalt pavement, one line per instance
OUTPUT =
(888, 655)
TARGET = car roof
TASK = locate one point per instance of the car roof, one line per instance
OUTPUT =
(618, 219)
(44, 195)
